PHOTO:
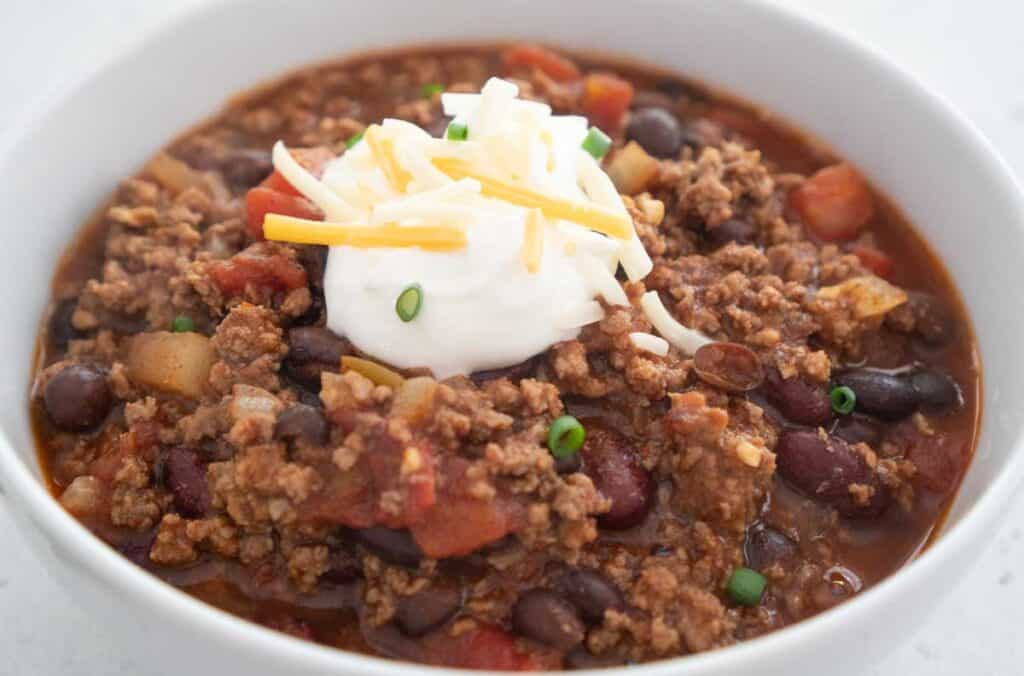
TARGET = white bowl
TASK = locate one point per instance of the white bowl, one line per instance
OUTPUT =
(59, 166)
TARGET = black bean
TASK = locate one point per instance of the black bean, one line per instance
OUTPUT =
(77, 398)
(858, 429)
(394, 546)
(765, 546)
(935, 389)
(614, 465)
(185, 477)
(569, 464)
(342, 567)
(547, 618)
(60, 331)
(418, 614)
(580, 658)
(828, 470)
(657, 130)
(316, 344)
(302, 422)
(880, 393)
(649, 98)
(245, 167)
(798, 400)
(591, 592)
(731, 230)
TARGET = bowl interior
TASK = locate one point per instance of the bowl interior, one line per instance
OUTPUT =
(67, 160)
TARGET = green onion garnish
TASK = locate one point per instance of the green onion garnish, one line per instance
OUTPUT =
(183, 324)
(746, 586)
(353, 139)
(409, 301)
(457, 131)
(843, 399)
(428, 90)
(597, 143)
(565, 436)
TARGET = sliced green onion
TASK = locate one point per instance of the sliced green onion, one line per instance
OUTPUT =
(597, 143)
(409, 301)
(843, 399)
(183, 324)
(565, 436)
(457, 131)
(353, 139)
(428, 90)
(746, 586)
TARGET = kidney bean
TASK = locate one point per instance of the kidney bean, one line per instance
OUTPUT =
(731, 230)
(591, 592)
(394, 546)
(77, 398)
(580, 658)
(547, 618)
(935, 389)
(880, 393)
(657, 130)
(826, 470)
(766, 546)
(416, 615)
(312, 350)
(302, 422)
(730, 366)
(798, 400)
(614, 466)
(857, 429)
(185, 477)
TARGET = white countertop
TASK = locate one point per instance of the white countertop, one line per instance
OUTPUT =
(972, 52)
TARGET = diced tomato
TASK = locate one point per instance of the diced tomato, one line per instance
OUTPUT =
(457, 524)
(257, 270)
(312, 159)
(346, 498)
(835, 203)
(556, 67)
(875, 260)
(486, 648)
(606, 98)
(940, 458)
(389, 466)
(262, 201)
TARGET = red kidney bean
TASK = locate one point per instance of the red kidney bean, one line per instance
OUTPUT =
(302, 422)
(185, 477)
(580, 658)
(591, 592)
(935, 390)
(394, 546)
(418, 614)
(857, 429)
(730, 366)
(826, 470)
(731, 230)
(614, 466)
(657, 130)
(547, 618)
(798, 400)
(77, 398)
(766, 546)
(880, 393)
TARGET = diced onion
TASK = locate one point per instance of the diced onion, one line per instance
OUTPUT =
(685, 339)
(602, 280)
(649, 343)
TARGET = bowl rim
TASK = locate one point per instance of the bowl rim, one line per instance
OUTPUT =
(70, 539)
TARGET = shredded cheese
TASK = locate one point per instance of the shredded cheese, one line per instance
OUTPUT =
(685, 339)
(384, 154)
(387, 235)
(533, 241)
(649, 343)
(584, 213)
(602, 280)
(307, 184)
(588, 313)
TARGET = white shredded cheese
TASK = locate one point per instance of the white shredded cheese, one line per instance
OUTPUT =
(588, 313)
(332, 205)
(462, 105)
(602, 280)
(685, 339)
(649, 343)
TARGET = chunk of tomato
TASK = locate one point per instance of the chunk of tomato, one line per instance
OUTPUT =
(606, 98)
(553, 65)
(487, 648)
(257, 270)
(875, 260)
(262, 201)
(312, 159)
(835, 203)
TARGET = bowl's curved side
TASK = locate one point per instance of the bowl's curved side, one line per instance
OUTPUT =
(837, 89)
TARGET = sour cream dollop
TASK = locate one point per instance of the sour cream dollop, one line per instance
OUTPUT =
(492, 303)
